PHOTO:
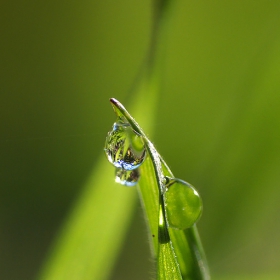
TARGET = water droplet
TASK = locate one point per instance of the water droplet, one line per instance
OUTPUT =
(124, 147)
(127, 178)
(183, 204)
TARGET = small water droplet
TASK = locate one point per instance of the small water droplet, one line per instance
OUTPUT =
(183, 204)
(124, 147)
(127, 178)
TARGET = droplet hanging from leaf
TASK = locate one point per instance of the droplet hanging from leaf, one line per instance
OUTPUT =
(124, 147)
(127, 178)
(183, 204)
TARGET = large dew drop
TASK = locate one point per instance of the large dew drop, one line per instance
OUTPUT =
(183, 204)
(127, 178)
(124, 147)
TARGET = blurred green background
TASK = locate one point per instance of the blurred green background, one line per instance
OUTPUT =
(218, 122)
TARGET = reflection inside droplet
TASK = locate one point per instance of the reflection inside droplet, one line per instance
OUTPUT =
(124, 147)
(127, 178)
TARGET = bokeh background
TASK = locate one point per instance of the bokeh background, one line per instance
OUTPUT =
(217, 126)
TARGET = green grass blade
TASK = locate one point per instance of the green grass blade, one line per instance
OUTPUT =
(149, 200)
(168, 269)
(187, 251)
(188, 247)
(149, 194)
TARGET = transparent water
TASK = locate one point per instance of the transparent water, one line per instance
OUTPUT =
(124, 147)
(183, 204)
(127, 178)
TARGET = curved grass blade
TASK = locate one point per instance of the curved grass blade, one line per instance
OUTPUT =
(187, 251)
(167, 264)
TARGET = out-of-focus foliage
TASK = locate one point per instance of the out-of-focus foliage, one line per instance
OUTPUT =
(217, 126)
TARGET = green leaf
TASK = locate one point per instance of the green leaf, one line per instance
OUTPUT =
(173, 248)
(168, 268)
